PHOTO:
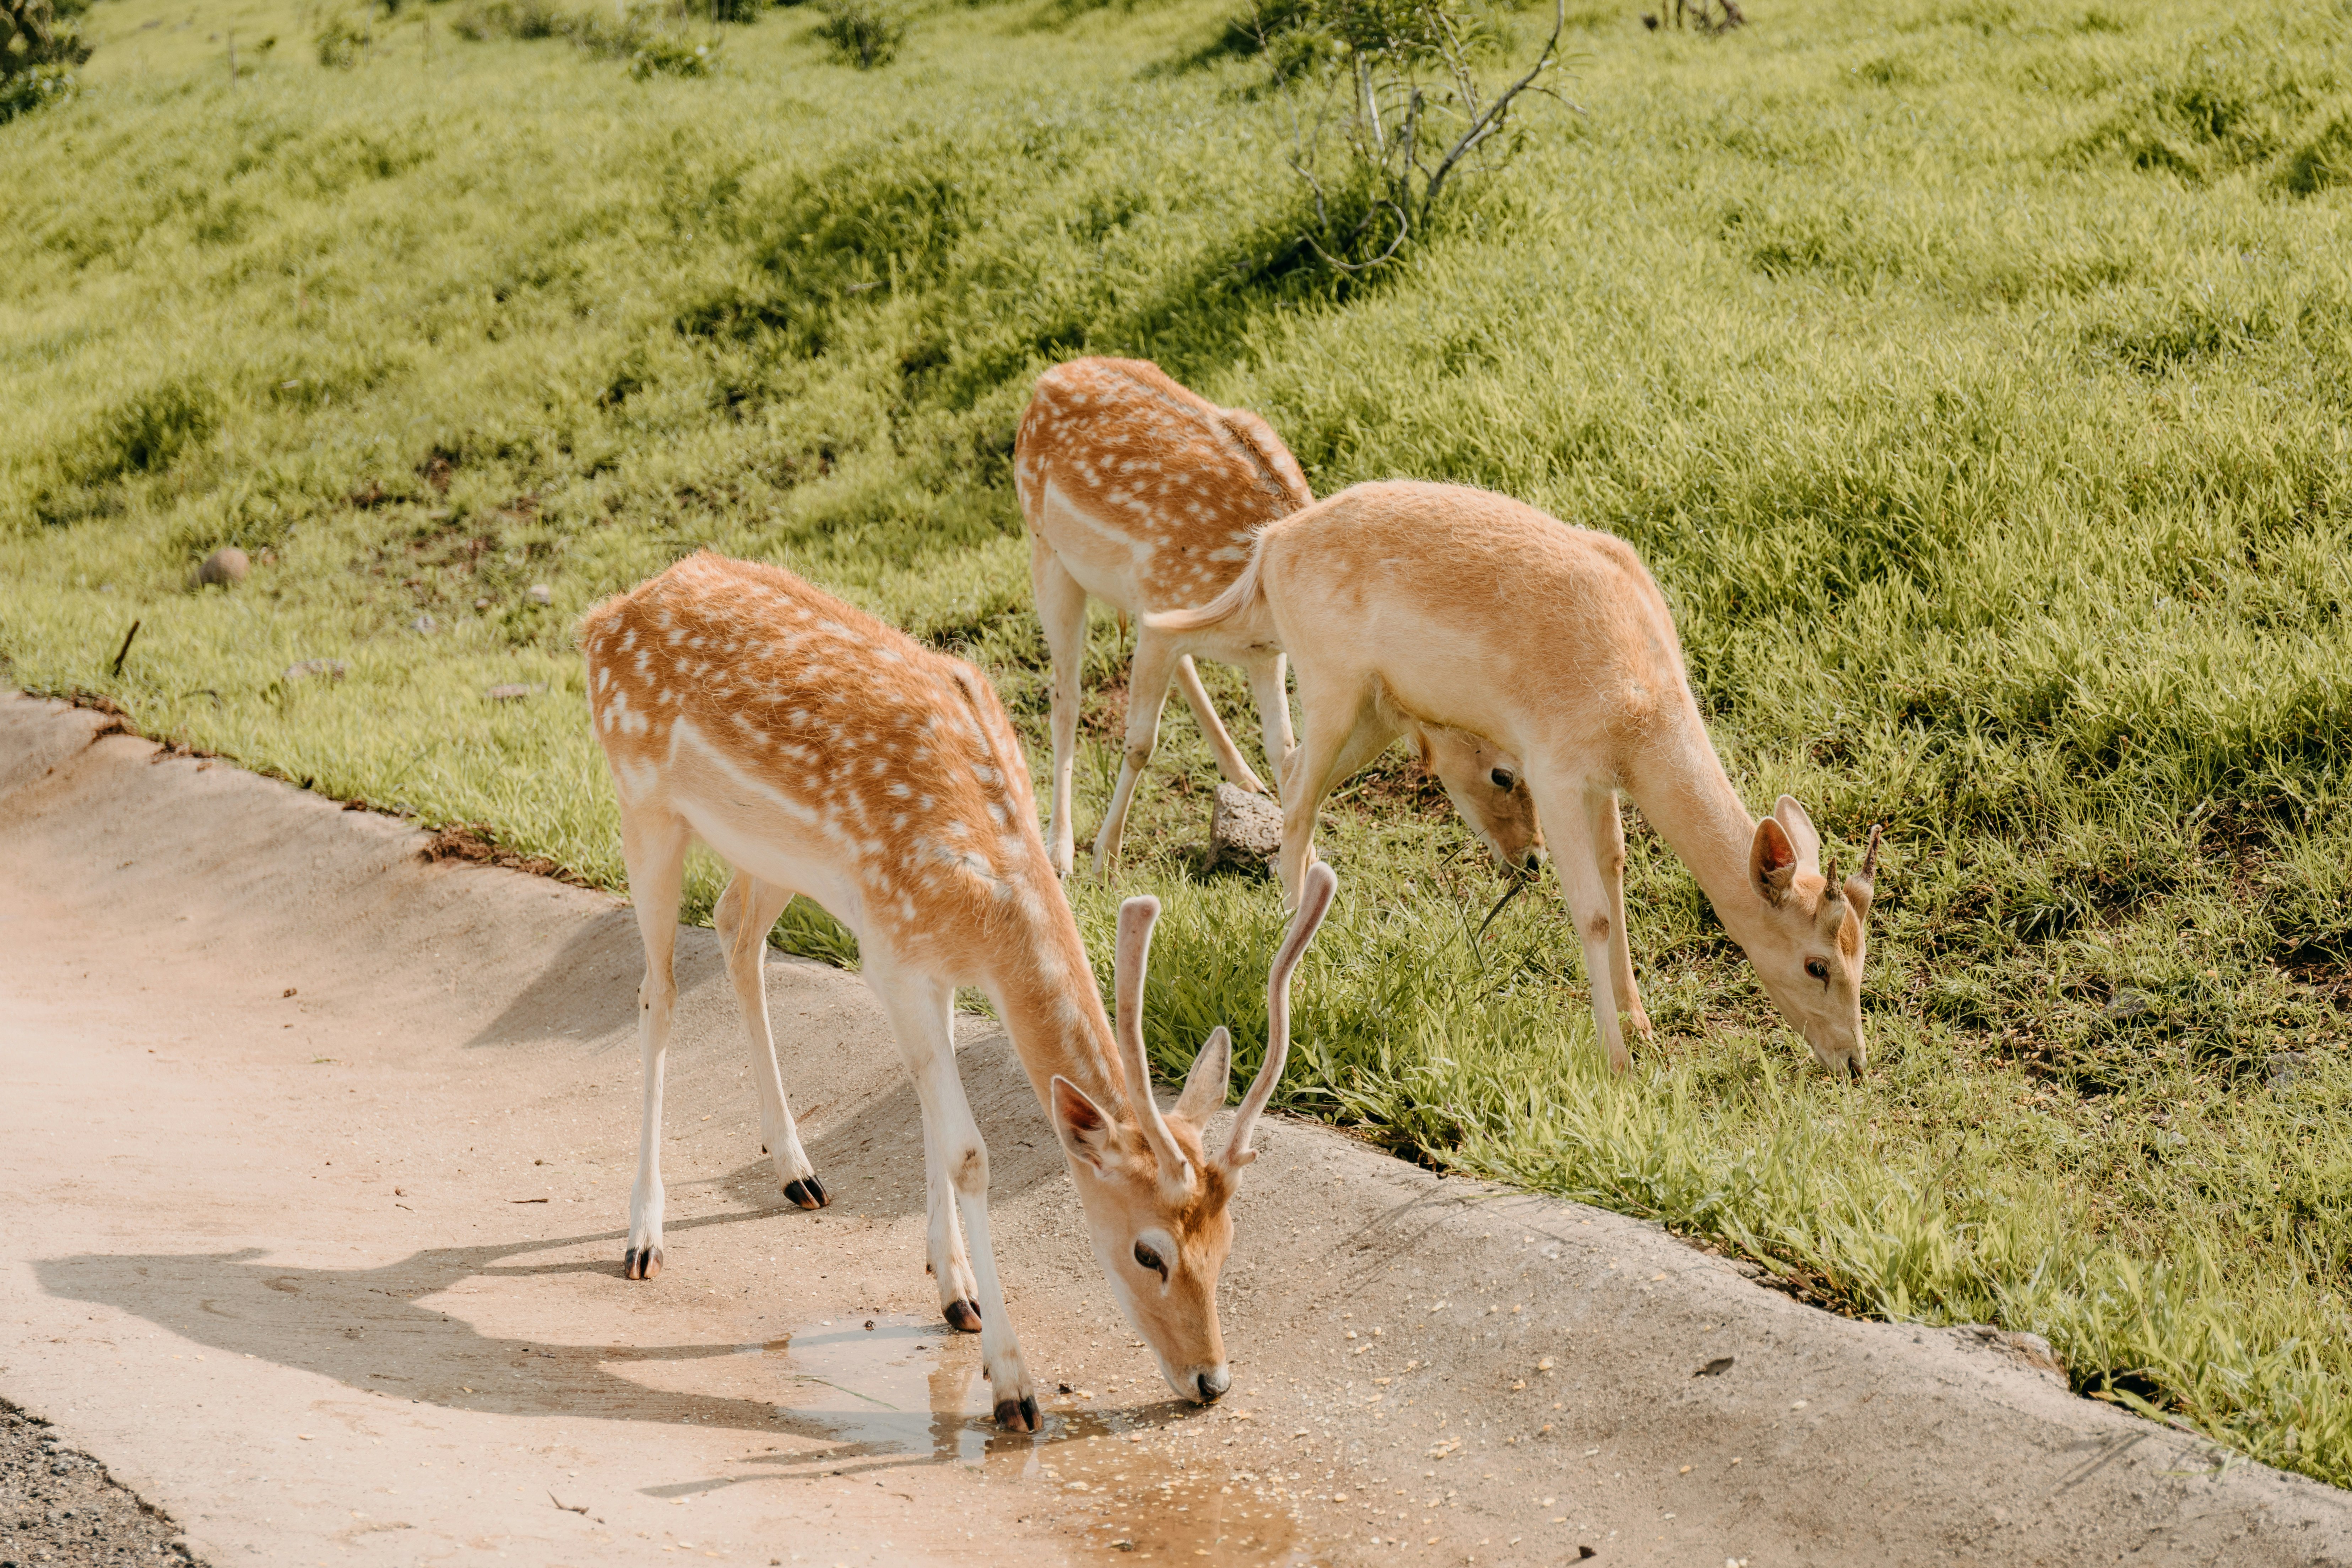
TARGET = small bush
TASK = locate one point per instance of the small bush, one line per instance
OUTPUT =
(511, 19)
(21, 92)
(667, 54)
(650, 48)
(341, 42)
(863, 33)
(144, 433)
(40, 45)
(2321, 160)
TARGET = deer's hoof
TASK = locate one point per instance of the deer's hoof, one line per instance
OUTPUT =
(1017, 1414)
(807, 1192)
(642, 1263)
(964, 1318)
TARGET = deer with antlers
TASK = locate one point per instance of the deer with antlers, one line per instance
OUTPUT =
(1434, 603)
(1141, 493)
(820, 751)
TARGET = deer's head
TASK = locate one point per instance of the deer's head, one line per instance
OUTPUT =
(1815, 933)
(1484, 784)
(1158, 1204)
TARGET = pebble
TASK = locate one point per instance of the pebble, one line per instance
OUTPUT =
(227, 566)
(540, 593)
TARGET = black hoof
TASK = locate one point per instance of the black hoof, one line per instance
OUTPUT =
(1017, 1414)
(807, 1192)
(963, 1317)
(643, 1265)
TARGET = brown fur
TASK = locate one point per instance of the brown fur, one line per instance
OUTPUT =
(1460, 608)
(824, 752)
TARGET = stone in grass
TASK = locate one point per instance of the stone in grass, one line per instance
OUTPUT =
(513, 692)
(321, 668)
(424, 625)
(1245, 829)
(540, 593)
(227, 566)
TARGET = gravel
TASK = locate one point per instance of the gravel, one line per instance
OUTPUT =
(58, 1506)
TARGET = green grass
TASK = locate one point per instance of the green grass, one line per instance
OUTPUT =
(1972, 375)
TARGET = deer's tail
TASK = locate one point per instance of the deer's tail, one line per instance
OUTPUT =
(1243, 600)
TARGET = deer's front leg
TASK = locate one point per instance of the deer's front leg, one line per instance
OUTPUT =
(1339, 740)
(922, 1017)
(1586, 887)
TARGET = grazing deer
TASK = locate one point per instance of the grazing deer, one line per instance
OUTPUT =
(1433, 603)
(820, 751)
(1145, 495)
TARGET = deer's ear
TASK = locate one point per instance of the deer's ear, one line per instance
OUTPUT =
(1087, 1135)
(1801, 836)
(1211, 1074)
(1771, 861)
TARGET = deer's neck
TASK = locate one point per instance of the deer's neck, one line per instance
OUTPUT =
(1681, 789)
(1045, 990)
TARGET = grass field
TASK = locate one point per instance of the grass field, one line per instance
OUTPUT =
(1973, 376)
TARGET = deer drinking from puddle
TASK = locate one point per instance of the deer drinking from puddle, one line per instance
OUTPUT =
(820, 751)
(1145, 495)
(1402, 603)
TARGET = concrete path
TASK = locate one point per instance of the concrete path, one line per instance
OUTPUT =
(320, 1156)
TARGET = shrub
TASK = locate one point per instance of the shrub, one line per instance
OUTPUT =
(1390, 108)
(40, 44)
(863, 33)
(667, 54)
(145, 432)
(2320, 160)
(341, 42)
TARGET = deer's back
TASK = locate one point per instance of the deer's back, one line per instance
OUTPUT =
(1475, 609)
(1169, 488)
(754, 704)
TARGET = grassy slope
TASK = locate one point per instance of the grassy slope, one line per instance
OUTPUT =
(1972, 375)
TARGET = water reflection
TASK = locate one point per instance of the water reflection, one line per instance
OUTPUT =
(909, 1387)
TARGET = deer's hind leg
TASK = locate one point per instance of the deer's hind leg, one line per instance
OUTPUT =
(1148, 674)
(747, 912)
(1062, 611)
(652, 845)
(1212, 728)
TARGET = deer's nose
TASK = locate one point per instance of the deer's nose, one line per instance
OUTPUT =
(1535, 860)
(1214, 1383)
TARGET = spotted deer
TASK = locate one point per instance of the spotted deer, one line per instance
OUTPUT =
(1403, 603)
(820, 751)
(1141, 493)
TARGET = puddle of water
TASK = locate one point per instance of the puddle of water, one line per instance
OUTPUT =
(906, 1387)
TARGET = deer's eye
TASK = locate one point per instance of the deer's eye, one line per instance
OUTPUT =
(1147, 1258)
(1504, 778)
(1817, 969)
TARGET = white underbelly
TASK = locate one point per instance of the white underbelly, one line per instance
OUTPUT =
(778, 860)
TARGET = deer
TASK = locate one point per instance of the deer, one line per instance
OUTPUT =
(820, 751)
(1139, 492)
(1404, 602)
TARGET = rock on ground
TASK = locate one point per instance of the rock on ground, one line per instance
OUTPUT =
(1244, 828)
